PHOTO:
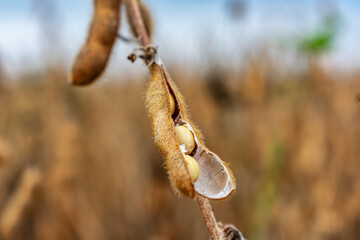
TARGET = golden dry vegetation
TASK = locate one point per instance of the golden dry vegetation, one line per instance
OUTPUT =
(79, 163)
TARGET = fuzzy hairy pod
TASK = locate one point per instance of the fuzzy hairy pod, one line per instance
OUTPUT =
(146, 17)
(92, 59)
(215, 180)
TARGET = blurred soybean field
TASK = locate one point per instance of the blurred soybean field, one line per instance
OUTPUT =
(80, 163)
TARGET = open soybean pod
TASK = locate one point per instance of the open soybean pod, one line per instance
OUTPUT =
(92, 59)
(215, 180)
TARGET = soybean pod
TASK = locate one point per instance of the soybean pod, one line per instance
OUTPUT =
(208, 176)
(92, 59)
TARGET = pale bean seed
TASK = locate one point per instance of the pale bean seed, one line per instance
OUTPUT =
(186, 138)
(193, 167)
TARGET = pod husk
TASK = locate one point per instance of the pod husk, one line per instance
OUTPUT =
(164, 133)
(215, 180)
(94, 55)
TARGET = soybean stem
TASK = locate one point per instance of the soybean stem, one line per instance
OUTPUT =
(206, 210)
(209, 218)
(134, 11)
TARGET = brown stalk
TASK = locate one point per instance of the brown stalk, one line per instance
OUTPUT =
(209, 218)
(138, 22)
(206, 210)
(22, 198)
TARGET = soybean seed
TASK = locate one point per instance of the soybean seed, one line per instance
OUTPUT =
(193, 167)
(172, 104)
(186, 138)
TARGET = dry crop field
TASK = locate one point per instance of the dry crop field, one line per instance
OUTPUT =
(81, 164)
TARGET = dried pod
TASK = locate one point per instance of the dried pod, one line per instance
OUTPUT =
(146, 17)
(172, 104)
(95, 53)
(215, 179)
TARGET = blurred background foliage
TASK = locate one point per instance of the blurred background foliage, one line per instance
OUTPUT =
(79, 163)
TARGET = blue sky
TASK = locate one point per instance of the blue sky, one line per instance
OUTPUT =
(185, 30)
